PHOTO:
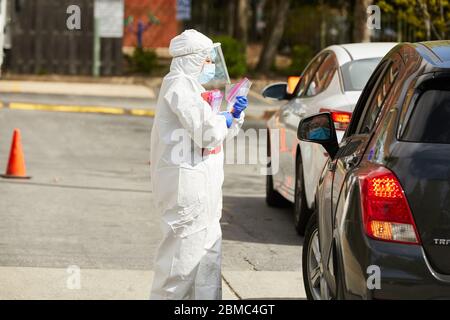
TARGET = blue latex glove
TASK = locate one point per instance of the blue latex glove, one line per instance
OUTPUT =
(240, 105)
(228, 117)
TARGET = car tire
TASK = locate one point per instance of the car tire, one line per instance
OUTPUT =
(340, 289)
(311, 262)
(273, 197)
(302, 213)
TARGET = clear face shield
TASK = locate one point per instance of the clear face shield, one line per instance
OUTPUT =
(221, 76)
(214, 72)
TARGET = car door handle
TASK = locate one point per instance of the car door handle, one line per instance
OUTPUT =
(352, 161)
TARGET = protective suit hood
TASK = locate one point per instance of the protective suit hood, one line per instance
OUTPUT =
(189, 51)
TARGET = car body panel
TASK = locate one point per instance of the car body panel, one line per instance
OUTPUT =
(359, 52)
(424, 171)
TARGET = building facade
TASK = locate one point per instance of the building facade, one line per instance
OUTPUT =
(152, 20)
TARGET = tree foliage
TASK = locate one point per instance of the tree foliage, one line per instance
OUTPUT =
(429, 17)
(234, 53)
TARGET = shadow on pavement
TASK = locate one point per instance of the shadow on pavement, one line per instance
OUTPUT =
(249, 219)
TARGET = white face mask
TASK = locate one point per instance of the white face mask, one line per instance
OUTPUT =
(208, 73)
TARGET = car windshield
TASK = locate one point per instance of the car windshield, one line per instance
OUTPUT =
(357, 73)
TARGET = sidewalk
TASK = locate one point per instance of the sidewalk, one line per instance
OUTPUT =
(120, 99)
(80, 89)
(51, 283)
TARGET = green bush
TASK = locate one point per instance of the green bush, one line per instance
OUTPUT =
(301, 56)
(143, 61)
(235, 56)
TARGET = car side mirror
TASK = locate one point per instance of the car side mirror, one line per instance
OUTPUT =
(277, 91)
(319, 129)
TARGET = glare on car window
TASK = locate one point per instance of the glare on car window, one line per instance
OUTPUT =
(357, 73)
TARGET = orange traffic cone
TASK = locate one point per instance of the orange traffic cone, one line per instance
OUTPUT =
(16, 164)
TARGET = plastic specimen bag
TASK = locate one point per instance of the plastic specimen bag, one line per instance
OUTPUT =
(242, 88)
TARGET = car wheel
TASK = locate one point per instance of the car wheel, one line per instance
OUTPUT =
(340, 289)
(315, 284)
(273, 197)
(301, 210)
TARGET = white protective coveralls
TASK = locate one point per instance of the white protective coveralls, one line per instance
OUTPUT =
(187, 184)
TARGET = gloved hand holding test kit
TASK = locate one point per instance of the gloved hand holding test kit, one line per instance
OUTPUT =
(241, 89)
(234, 95)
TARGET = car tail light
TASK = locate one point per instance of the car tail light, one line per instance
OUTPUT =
(341, 119)
(386, 213)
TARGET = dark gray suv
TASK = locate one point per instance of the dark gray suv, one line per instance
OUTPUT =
(381, 228)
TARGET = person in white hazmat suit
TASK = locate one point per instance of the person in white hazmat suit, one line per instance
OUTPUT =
(187, 171)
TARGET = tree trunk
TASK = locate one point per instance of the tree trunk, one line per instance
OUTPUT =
(441, 11)
(205, 10)
(323, 25)
(399, 29)
(426, 18)
(361, 33)
(242, 17)
(274, 33)
(231, 17)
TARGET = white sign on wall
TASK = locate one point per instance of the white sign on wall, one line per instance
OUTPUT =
(183, 10)
(110, 16)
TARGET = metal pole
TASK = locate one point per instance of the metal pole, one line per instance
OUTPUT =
(97, 49)
(3, 14)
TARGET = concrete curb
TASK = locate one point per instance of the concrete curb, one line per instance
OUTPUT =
(79, 89)
(74, 283)
(266, 284)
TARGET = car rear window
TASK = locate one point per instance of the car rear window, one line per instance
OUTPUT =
(430, 118)
(357, 73)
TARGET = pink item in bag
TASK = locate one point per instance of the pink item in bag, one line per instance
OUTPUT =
(214, 98)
